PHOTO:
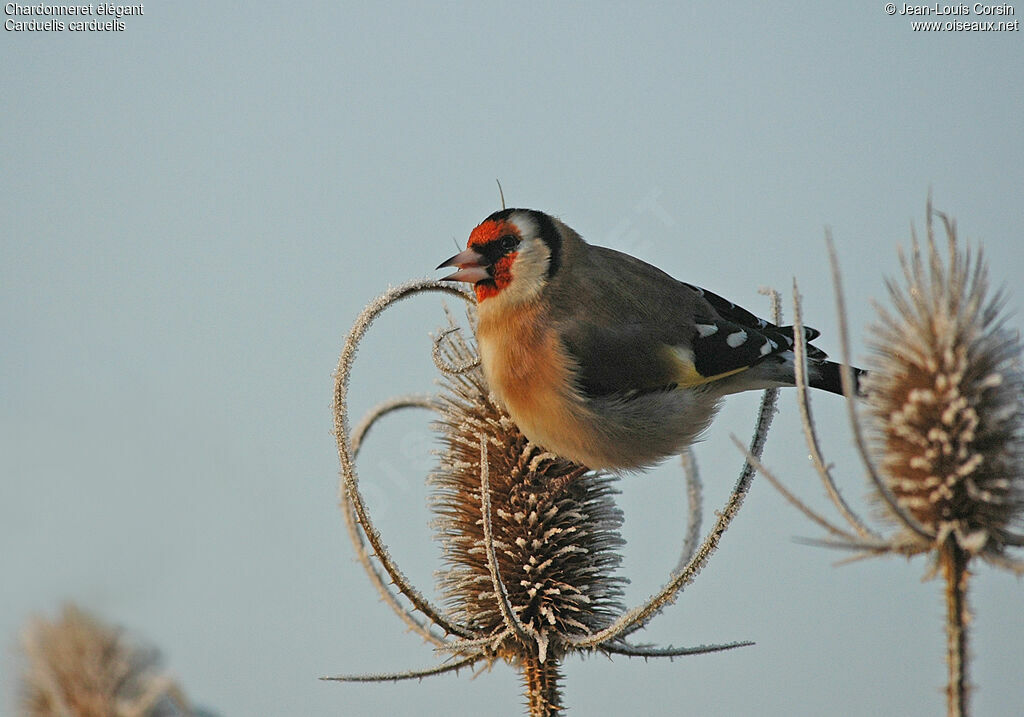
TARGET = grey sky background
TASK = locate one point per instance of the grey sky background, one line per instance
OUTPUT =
(195, 209)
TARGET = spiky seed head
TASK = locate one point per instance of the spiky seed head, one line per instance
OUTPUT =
(554, 524)
(78, 665)
(946, 393)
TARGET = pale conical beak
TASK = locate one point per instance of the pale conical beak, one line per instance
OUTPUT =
(471, 268)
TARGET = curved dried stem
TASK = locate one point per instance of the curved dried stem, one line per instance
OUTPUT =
(642, 614)
(846, 375)
(390, 598)
(646, 651)
(811, 436)
(793, 500)
(409, 675)
(468, 363)
(508, 616)
(349, 484)
(694, 500)
(398, 403)
(864, 551)
(491, 642)
(774, 303)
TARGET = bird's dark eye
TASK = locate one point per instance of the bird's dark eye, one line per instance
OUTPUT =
(507, 244)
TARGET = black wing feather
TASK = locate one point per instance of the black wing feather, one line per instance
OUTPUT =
(628, 315)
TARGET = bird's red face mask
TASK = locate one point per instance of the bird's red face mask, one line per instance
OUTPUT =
(487, 260)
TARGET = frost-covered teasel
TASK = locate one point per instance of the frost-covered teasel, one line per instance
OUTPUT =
(530, 540)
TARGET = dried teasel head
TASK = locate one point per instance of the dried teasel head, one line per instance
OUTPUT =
(530, 540)
(946, 394)
(77, 665)
(553, 524)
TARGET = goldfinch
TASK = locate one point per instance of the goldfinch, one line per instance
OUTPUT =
(605, 359)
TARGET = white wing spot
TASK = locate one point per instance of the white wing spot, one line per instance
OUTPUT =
(736, 339)
(766, 348)
(706, 330)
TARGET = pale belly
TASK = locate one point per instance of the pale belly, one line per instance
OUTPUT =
(530, 374)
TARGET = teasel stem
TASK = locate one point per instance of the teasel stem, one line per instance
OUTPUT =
(953, 561)
(541, 681)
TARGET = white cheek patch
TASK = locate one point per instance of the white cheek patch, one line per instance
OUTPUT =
(529, 273)
(530, 267)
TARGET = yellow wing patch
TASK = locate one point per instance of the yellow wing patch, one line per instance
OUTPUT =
(687, 374)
